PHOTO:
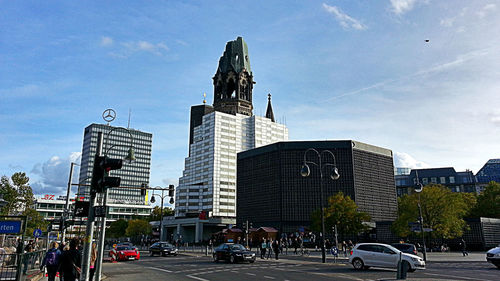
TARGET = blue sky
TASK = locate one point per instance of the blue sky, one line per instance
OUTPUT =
(342, 69)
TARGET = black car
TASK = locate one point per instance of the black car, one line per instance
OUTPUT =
(233, 253)
(406, 248)
(162, 248)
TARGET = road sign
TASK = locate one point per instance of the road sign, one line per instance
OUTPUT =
(10, 227)
(37, 232)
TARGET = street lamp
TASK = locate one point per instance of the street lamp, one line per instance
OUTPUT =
(418, 189)
(334, 175)
(171, 195)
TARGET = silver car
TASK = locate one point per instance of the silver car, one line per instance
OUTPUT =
(365, 255)
(493, 256)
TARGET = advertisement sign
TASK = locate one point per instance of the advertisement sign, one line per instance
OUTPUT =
(10, 227)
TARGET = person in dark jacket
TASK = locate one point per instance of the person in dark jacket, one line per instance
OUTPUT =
(464, 248)
(276, 248)
(51, 261)
(70, 262)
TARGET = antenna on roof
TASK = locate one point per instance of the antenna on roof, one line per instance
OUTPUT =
(129, 113)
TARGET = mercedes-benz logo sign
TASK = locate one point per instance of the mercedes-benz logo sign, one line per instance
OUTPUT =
(109, 115)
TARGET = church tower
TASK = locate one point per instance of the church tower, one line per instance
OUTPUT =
(233, 81)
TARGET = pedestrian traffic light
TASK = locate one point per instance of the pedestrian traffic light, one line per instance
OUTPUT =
(102, 166)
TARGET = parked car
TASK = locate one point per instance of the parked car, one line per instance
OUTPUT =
(233, 253)
(406, 248)
(493, 256)
(365, 255)
(123, 253)
(163, 249)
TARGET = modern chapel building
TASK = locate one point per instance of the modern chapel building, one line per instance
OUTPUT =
(272, 192)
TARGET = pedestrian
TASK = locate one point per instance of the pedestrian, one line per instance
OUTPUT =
(70, 262)
(51, 261)
(27, 255)
(328, 244)
(344, 248)
(464, 248)
(93, 258)
(295, 245)
(269, 247)
(276, 248)
(263, 248)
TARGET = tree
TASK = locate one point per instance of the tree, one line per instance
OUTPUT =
(117, 229)
(35, 220)
(17, 193)
(488, 202)
(442, 211)
(138, 227)
(343, 212)
(156, 213)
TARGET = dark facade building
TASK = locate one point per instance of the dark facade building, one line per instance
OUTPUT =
(489, 172)
(456, 181)
(271, 191)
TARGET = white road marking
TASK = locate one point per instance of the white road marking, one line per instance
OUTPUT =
(161, 269)
(197, 278)
(268, 277)
(251, 274)
(461, 277)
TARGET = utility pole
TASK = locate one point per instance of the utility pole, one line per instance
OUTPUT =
(102, 237)
(66, 206)
(247, 233)
(89, 232)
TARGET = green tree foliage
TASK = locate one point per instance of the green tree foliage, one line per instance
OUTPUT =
(488, 202)
(117, 229)
(138, 227)
(442, 210)
(343, 212)
(156, 213)
(35, 220)
(17, 193)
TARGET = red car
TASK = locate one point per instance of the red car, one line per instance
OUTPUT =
(124, 253)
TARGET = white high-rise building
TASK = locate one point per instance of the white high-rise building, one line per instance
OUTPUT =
(206, 195)
(209, 179)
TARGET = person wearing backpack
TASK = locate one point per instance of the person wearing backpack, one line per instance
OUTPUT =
(51, 261)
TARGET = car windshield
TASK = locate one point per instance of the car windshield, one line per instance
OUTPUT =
(123, 248)
(166, 245)
(237, 247)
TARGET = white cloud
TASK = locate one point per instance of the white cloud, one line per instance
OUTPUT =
(400, 7)
(144, 46)
(448, 22)
(486, 10)
(345, 20)
(53, 174)
(404, 160)
(106, 41)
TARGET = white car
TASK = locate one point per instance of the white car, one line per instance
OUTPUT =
(365, 255)
(493, 256)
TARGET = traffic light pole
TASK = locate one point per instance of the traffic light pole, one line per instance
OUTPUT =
(102, 237)
(89, 232)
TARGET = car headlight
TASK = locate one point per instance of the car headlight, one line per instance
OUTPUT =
(415, 259)
(497, 255)
(239, 255)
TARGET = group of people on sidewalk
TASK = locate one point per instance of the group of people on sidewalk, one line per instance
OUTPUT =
(67, 260)
(268, 247)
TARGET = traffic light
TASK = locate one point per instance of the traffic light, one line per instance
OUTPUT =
(171, 190)
(143, 189)
(100, 180)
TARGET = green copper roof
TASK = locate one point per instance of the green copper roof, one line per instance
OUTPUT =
(235, 57)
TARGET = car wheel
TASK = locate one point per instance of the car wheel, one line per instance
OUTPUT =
(152, 254)
(231, 259)
(216, 259)
(407, 266)
(358, 264)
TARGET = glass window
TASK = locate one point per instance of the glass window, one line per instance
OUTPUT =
(452, 179)
(424, 181)
(434, 180)
(442, 180)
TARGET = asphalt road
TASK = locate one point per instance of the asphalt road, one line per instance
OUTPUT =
(189, 267)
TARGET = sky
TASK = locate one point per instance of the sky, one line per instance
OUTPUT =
(419, 77)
